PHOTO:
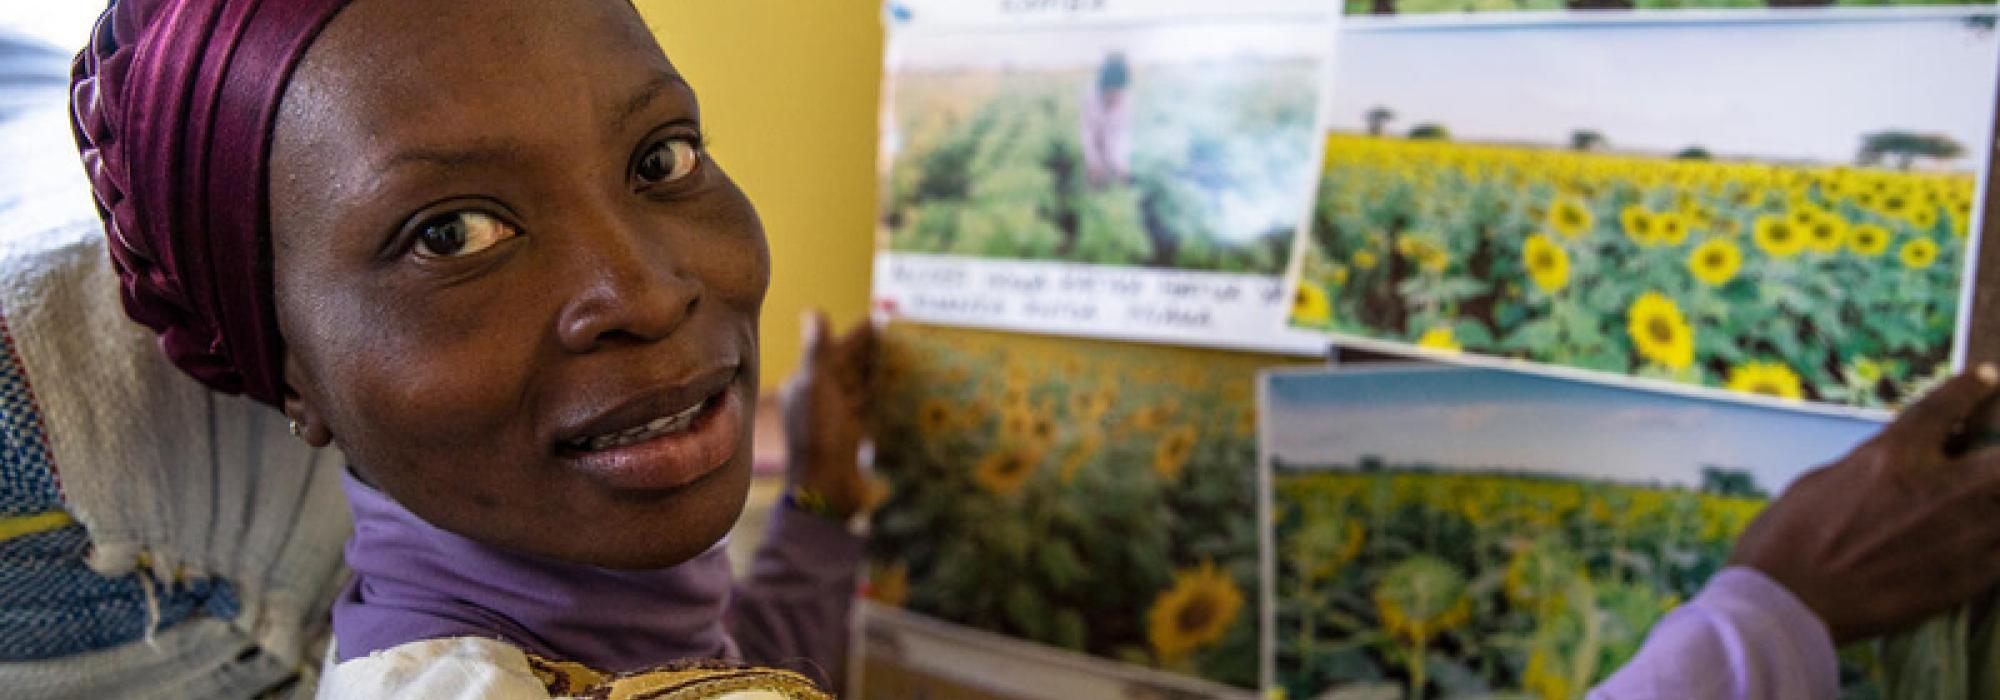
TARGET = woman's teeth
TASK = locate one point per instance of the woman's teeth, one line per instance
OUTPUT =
(657, 427)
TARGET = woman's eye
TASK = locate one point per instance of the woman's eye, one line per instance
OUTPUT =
(460, 233)
(668, 160)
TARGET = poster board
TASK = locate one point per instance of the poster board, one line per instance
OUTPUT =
(1114, 168)
(1776, 202)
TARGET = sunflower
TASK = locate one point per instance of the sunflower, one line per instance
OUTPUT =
(1659, 332)
(1569, 217)
(1151, 418)
(1439, 338)
(1539, 575)
(1545, 677)
(1196, 612)
(1324, 545)
(1868, 240)
(1016, 424)
(1005, 471)
(1826, 232)
(1922, 214)
(1767, 378)
(1014, 397)
(1919, 254)
(1865, 199)
(934, 418)
(1173, 451)
(1638, 224)
(1364, 260)
(1078, 455)
(1897, 203)
(1715, 261)
(1802, 216)
(1042, 430)
(1670, 228)
(1424, 252)
(1420, 598)
(1547, 263)
(1089, 405)
(1778, 237)
(1310, 306)
(1865, 372)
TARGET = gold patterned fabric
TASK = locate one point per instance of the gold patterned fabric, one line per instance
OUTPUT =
(709, 680)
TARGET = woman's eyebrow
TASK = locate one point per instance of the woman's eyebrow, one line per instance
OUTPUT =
(490, 151)
(643, 97)
(483, 152)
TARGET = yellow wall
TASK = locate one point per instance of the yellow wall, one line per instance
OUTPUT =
(788, 94)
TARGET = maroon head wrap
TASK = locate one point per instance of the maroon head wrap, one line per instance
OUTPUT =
(173, 104)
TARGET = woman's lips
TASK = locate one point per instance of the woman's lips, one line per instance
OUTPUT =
(673, 458)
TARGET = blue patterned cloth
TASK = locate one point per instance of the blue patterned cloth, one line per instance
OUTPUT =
(51, 603)
(27, 479)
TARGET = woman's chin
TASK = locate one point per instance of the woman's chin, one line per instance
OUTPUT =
(667, 531)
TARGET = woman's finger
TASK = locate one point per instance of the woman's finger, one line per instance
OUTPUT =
(812, 336)
(1930, 421)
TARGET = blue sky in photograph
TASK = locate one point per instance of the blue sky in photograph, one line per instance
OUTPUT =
(1486, 418)
(1790, 90)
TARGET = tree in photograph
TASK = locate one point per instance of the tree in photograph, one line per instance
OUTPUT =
(1906, 147)
(1430, 131)
(1586, 140)
(1694, 153)
(1379, 117)
(1724, 481)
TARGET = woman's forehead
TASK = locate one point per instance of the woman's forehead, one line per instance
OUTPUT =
(383, 61)
(441, 83)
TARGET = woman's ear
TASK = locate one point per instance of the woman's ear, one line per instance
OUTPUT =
(308, 423)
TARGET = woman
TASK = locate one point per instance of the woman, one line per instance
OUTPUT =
(479, 246)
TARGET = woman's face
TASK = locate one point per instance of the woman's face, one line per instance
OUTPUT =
(513, 287)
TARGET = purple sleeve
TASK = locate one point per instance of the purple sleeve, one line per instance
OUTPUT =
(1743, 638)
(792, 610)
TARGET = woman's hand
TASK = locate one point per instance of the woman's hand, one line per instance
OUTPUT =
(826, 406)
(1902, 527)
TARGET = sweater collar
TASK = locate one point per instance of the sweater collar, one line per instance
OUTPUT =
(413, 581)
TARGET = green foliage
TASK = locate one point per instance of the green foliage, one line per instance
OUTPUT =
(992, 166)
(1466, 585)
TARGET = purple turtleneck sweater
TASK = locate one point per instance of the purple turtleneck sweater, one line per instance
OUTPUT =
(413, 581)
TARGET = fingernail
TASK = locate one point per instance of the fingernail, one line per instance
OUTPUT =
(806, 323)
(1987, 373)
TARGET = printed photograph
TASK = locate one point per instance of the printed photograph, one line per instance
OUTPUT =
(1421, 7)
(1770, 207)
(1169, 145)
(1089, 496)
(1434, 539)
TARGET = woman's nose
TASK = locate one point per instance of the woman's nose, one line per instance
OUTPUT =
(623, 284)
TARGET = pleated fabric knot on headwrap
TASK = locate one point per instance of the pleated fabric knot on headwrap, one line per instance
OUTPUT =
(173, 104)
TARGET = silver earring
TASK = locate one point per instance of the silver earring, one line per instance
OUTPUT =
(296, 430)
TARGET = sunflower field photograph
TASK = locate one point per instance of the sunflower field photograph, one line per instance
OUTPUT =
(1783, 208)
(1164, 144)
(1087, 496)
(1431, 542)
